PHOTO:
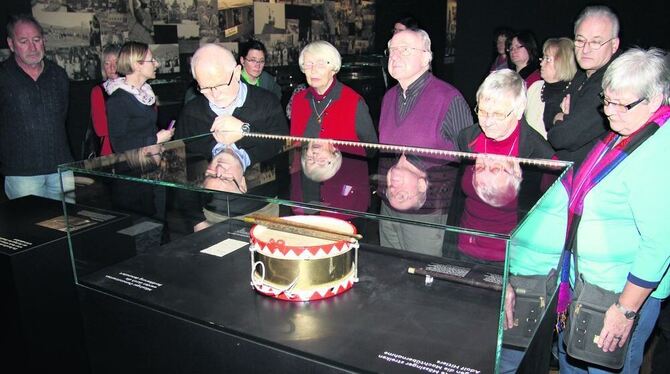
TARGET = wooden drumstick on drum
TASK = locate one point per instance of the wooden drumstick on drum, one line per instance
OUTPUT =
(277, 223)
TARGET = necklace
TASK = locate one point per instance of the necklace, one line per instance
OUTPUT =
(510, 149)
(319, 116)
(554, 87)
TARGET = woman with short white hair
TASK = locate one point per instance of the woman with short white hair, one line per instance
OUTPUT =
(620, 193)
(329, 109)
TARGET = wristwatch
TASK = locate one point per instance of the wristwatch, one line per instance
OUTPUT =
(629, 314)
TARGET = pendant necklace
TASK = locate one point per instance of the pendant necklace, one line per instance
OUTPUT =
(319, 116)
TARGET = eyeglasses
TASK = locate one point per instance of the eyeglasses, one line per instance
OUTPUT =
(594, 45)
(494, 168)
(400, 196)
(153, 60)
(319, 65)
(403, 51)
(320, 161)
(212, 174)
(547, 59)
(255, 62)
(495, 115)
(215, 89)
(620, 108)
(513, 48)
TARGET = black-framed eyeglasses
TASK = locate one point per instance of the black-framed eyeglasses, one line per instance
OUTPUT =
(403, 51)
(620, 108)
(594, 45)
(495, 115)
(211, 174)
(214, 89)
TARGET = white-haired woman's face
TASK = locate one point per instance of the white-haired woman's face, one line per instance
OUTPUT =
(627, 112)
(497, 116)
(318, 71)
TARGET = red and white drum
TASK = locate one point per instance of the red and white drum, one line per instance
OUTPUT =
(295, 267)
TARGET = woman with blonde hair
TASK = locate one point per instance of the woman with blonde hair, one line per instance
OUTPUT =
(557, 68)
(131, 111)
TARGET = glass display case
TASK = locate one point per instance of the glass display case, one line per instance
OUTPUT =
(321, 254)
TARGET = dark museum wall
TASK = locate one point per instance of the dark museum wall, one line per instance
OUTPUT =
(473, 45)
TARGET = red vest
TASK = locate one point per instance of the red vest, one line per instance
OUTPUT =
(338, 121)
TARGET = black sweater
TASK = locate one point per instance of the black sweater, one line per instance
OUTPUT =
(33, 138)
(131, 124)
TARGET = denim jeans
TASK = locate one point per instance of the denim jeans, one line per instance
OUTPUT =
(46, 185)
(643, 329)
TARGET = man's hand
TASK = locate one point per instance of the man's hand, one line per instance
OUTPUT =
(227, 129)
(565, 109)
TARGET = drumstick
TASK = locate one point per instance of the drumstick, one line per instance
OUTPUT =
(453, 278)
(301, 228)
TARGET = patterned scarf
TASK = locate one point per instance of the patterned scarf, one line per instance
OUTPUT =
(144, 94)
(603, 158)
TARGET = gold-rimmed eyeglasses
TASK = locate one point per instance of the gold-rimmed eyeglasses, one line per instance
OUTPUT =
(495, 115)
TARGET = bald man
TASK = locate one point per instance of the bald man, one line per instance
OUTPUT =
(225, 105)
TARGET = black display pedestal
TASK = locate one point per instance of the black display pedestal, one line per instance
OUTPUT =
(176, 310)
(41, 321)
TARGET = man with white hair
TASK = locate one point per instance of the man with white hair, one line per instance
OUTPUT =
(581, 123)
(226, 106)
(420, 111)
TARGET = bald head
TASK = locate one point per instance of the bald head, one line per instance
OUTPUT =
(212, 56)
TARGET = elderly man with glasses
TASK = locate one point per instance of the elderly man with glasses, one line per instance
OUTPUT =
(226, 107)
(420, 111)
(581, 122)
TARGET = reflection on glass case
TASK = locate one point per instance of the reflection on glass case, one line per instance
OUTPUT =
(354, 256)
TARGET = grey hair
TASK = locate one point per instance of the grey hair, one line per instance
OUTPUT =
(425, 41)
(599, 11)
(641, 72)
(224, 57)
(324, 50)
(321, 174)
(502, 83)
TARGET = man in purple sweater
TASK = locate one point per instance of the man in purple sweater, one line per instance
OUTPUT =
(422, 111)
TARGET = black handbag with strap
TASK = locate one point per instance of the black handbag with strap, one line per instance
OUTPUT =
(533, 293)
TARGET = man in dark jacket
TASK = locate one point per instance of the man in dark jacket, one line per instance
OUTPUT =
(581, 122)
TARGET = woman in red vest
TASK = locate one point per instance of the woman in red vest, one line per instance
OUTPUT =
(329, 109)
(98, 97)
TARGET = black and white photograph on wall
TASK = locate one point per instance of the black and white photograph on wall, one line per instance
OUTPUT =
(318, 31)
(227, 4)
(293, 30)
(113, 27)
(167, 56)
(140, 21)
(450, 41)
(280, 50)
(304, 16)
(236, 23)
(208, 19)
(49, 5)
(183, 14)
(65, 30)
(231, 46)
(4, 54)
(80, 63)
(80, 5)
(269, 18)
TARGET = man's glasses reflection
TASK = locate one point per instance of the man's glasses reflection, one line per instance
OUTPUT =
(320, 161)
(225, 173)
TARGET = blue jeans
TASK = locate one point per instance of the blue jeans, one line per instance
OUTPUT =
(510, 359)
(46, 185)
(643, 329)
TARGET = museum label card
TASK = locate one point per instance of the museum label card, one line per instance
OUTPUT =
(225, 247)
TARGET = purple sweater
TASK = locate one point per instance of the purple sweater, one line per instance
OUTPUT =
(422, 127)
